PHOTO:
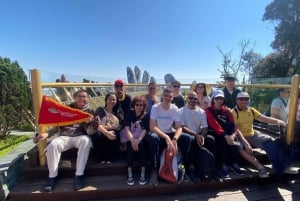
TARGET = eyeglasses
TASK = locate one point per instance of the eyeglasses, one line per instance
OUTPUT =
(152, 88)
(168, 96)
(219, 98)
(81, 96)
(118, 86)
(139, 105)
(200, 87)
(243, 99)
(176, 86)
(192, 98)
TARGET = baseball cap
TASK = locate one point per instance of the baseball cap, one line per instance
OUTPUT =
(243, 95)
(229, 78)
(218, 93)
(119, 82)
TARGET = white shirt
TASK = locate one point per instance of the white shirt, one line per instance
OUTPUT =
(287, 108)
(193, 119)
(165, 119)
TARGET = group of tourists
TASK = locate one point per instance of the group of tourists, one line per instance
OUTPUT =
(207, 133)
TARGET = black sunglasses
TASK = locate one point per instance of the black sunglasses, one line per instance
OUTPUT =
(192, 98)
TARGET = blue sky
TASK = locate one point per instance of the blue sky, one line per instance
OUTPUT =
(100, 38)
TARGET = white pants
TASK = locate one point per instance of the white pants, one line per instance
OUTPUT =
(64, 143)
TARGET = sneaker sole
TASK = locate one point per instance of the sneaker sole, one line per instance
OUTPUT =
(153, 184)
(264, 176)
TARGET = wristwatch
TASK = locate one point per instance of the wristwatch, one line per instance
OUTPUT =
(174, 138)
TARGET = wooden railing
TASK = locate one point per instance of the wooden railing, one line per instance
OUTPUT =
(98, 90)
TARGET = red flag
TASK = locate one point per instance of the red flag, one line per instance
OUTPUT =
(53, 113)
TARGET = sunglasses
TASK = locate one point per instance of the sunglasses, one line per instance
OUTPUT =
(152, 88)
(219, 98)
(192, 98)
(80, 96)
(243, 99)
(176, 86)
(139, 105)
(118, 86)
(168, 96)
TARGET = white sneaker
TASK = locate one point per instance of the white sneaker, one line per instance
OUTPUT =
(291, 170)
(262, 173)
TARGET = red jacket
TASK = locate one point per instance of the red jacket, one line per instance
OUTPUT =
(212, 121)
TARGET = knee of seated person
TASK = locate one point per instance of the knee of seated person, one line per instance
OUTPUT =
(210, 138)
(185, 137)
(85, 140)
(54, 145)
(153, 136)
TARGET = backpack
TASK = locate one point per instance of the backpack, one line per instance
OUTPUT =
(169, 166)
(280, 154)
(205, 164)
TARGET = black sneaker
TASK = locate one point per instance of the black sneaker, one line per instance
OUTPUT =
(153, 181)
(236, 169)
(224, 171)
(78, 182)
(50, 185)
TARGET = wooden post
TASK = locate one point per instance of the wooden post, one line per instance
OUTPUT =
(37, 95)
(293, 108)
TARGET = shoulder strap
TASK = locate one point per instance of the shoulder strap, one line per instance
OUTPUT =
(284, 103)
(227, 113)
(237, 112)
(252, 111)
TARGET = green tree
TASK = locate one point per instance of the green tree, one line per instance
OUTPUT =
(15, 96)
(273, 65)
(285, 15)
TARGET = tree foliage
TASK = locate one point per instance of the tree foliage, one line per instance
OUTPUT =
(15, 96)
(285, 14)
(273, 65)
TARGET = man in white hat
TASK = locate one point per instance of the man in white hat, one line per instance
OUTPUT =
(244, 117)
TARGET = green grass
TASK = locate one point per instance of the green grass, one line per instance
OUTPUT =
(10, 142)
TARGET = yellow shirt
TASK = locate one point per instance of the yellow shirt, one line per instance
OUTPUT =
(244, 120)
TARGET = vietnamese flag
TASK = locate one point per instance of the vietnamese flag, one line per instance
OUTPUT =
(53, 113)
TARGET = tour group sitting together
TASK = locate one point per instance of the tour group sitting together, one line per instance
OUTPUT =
(207, 133)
